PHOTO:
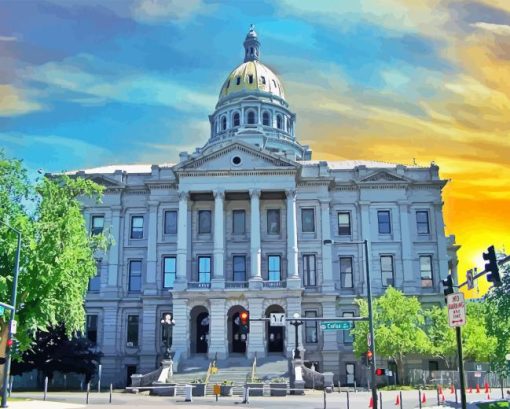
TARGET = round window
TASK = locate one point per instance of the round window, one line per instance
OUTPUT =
(236, 160)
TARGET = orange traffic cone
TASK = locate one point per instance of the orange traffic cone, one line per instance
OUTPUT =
(486, 387)
(443, 399)
(470, 390)
(371, 404)
(451, 389)
(423, 398)
(397, 401)
(477, 388)
(440, 389)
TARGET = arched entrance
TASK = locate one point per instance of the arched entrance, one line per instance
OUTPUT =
(236, 340)
(275, 335)
(199, 334)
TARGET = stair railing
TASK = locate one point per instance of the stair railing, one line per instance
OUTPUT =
(254, 368)
(212, 368)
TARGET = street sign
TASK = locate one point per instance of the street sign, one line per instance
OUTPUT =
(369, 340)
(456, 310)
(336, 325)
(469, 279)
(277, 319)
(2, 310)
(478, 367)
(507, 357)
(478, 374)
(14, 326)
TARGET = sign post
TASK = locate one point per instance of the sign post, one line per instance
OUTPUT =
(456, 319)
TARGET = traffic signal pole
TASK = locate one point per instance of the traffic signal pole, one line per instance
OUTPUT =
(458, 332)
(371, 347)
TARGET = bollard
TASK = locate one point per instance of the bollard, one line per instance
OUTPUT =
(45, 387)
(456, 398)
(380, 400)
(437, 391)
(12, 381)
(188, 395)
(401, 403)
(419, 397)
(88, 391)
(324, 396)
(348, 402)
(355, 390)
(246, 394)
(111, 390)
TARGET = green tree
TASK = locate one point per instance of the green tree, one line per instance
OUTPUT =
(497, 317)
(398, 328)
(57, 253)
(441, 338)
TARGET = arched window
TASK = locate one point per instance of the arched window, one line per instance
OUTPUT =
(235, 119)
(288, 125)
(251, 117)
(238, 80)
(263, 79)
(265, 119)
(223, 123)
(250, 78)
(279, 122)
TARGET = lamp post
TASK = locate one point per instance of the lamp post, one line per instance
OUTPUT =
(296, 322)
(7, 368)
(166, 326)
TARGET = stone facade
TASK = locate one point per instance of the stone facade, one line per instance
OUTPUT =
(236, 225)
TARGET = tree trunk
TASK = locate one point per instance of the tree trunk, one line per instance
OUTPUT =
(400, 370)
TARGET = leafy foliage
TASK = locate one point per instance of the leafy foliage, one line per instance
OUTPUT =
(442, 339)
(53, 351)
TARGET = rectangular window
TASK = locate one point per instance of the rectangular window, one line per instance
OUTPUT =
(346, 272)
(311, 328)
(348, 338)
(238, 221)
(97, 225)
(422, 222)
(273, 221)
(387, 270)
(308, 220)
(204, 221)
(309, 270)
(344, 223)
(95, 282)
(204, 269)
(239, 268)
(132, 331)
(92, 328)
(171, 222)
(137, 227)
(426, 271)
(274, 271)
(169, 271)
(135, 275)
(384, 222)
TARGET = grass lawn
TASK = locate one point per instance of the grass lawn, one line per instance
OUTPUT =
(493, 405)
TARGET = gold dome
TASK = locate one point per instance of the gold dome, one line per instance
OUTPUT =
(252, 76)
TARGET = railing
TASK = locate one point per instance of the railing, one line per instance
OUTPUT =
(236, 284)
(198, 285)
(254, 368)
(274, 284)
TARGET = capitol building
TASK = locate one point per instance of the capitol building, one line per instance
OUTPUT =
(251, 220)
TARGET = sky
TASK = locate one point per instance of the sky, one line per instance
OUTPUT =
(85, 83)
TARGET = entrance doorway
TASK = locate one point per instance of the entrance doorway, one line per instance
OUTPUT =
(275, 335)
(130, 370)
(238, 339)
(199, 330)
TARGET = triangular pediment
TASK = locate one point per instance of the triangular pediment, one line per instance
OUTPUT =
(236, 156)
(384, 176)
(105, 181)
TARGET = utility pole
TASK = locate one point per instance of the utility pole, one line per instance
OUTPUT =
(373, 380)
(458, 332)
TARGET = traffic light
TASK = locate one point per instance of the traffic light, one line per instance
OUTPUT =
(370, 358)
(380, 371)
(244, 322)
(448, 285)
(491, 267)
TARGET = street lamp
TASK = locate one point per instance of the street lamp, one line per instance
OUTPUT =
(166, 327)
(7, 369)
(371, 346)
(296, 322)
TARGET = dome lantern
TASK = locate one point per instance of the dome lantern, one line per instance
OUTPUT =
(251, 46)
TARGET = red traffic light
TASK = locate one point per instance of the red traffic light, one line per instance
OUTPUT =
(244, 316)
(9, 343)
(380, 372)
(369, 354)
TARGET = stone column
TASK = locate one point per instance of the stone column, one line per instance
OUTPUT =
(293, 306)
(151, 288)
(182, 242)
(257, 334)
(408, 279)
(113, 256)
(375, 276)
(218, 280)
(437, 230)
(327, 249)
(255, 248)
(110, 340)
(218, 329)
(150, 346)
(329, 338)
(181, 330)
(293, 279)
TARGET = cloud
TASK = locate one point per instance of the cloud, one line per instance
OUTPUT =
(501, 29)
(8, 38)
(14, 101)
(154, 11)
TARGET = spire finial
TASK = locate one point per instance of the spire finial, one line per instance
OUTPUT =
(251, 45)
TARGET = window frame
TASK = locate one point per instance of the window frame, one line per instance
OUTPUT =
(94, 231)
(345, 273)
(96, 279)
(205, 272)
(421, 223)
(234, 272)
(342, 225)
(89, 328)
(266, 115)
(234, 213)
(250, 113)
(303, 211)
(166, 215)
(307, 270)
(204, 211)
(279, 121)
(383, 223)
(136, 229)
(236, 119)
(278, 224)
(426, 282)
(383, 282)
(133, 324)
(311, 326)
(270, 272)
(168, 273)
(131, 276)
(347, 338)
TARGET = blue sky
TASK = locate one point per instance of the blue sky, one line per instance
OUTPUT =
(85, 83)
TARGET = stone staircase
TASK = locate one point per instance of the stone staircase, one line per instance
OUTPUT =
(273, 366)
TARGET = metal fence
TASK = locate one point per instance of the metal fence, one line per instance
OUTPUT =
(423, 377)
